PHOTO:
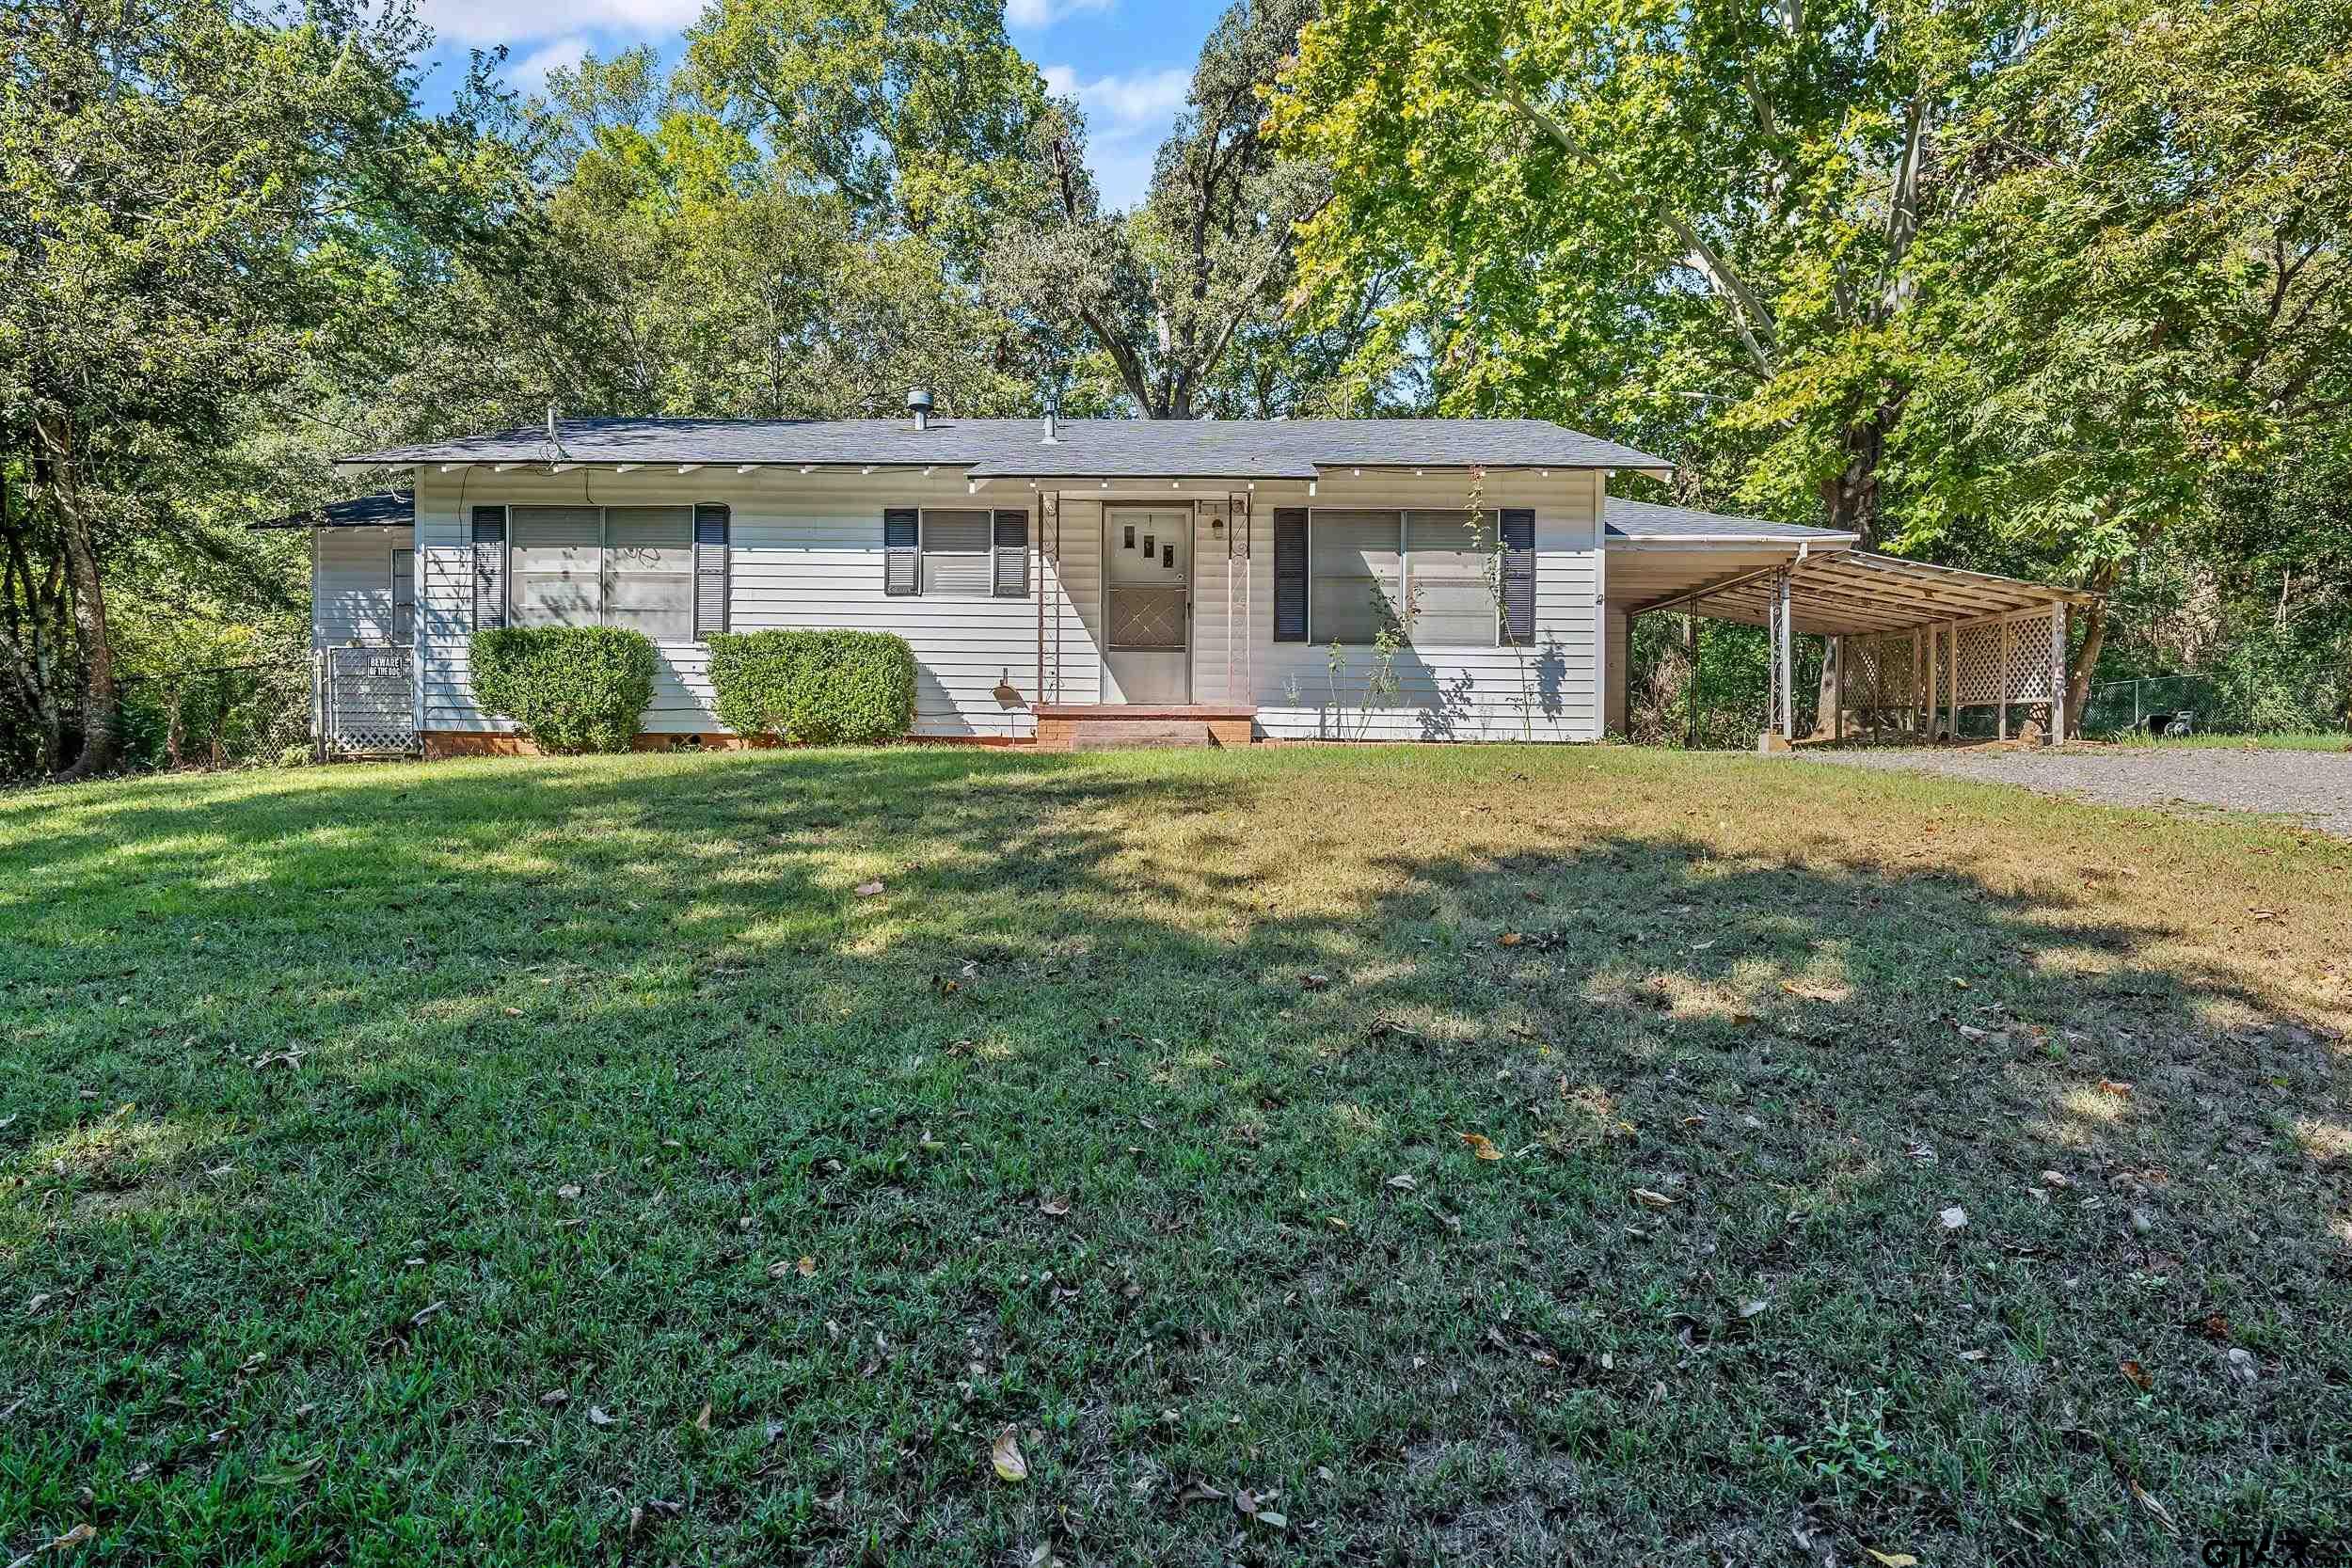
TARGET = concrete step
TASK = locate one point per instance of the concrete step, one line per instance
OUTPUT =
(1127, 734)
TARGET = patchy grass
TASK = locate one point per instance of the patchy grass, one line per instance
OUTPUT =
(539, 1161)
(2316, 741)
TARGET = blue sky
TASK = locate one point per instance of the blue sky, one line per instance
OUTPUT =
(1128, 61)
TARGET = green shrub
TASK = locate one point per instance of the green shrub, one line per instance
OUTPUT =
(816, 688)
(572, 688)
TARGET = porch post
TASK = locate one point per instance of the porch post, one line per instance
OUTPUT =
(2057, 673)
(1781, 726)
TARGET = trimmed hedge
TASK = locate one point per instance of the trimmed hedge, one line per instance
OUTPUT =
(814, 687)
(572, 688)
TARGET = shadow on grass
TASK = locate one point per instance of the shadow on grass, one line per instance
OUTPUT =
(587, 1058)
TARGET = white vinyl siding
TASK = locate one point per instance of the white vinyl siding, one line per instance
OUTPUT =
(805, 551)
(351, 585)
(1482, 689)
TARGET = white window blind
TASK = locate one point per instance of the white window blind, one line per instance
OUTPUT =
(557, 556)
(959, 554)
(649, 571)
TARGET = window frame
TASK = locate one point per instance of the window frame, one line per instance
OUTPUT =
(1404, 575)
(691, 575)
(395, 580)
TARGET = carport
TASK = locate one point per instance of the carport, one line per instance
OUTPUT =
(1911, 645)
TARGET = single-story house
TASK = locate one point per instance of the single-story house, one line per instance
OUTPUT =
(1219, 580)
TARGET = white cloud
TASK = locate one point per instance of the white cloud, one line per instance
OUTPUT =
(529, 73)
(517, 22)
(1033, 14)
(1121, 104)
(1127, 118)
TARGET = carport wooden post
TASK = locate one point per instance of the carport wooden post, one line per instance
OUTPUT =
(1837, 690)
(2057, 673)
(1952, 698)
(2001, 687)
(1783, 721)
(1934, 653)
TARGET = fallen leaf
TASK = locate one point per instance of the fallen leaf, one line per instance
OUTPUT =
(1893, 1560)
(1753, 1307)
(598, 1416)
(71, 1539)
(425, 1315)
(1314, 982)
(867, 889)
(556, 1396)
(2136, 1373)
(1970, 1032)
(807, 1266)
(1482, 1146)
(568, 1190)
(1403, 1183)
(1055, 1207)
(1652, 1199)
(1335, 1222)
(1973, 1355)
(1954, 1218)
(702, 1422)
(2153, 1507)
(2262, 914)
(1509, 939)
(2057, 1180)
(1006, 1456)
(2116, 1087)
(2243, 1366)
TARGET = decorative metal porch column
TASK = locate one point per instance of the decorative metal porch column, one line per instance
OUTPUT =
(1783, 723)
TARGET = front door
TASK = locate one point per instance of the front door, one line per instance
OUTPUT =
(1147, 590)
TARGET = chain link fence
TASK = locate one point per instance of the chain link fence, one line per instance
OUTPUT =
(2154, 705)
(278, 713)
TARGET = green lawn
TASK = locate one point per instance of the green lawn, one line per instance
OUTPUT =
(545, 1162)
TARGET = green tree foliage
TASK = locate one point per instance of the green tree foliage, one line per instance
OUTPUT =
(1165, 292)
(193, 200)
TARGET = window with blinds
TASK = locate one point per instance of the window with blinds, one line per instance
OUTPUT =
(630, 566)
(1340, 576)
(950, 552)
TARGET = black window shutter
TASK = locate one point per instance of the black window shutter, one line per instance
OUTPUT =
(1013, 555)
(902, 563)
(710, 569)
(1289, 574)
(1519, 574)
(489, 567)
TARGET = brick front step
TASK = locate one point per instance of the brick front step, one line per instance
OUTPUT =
(1103, 726)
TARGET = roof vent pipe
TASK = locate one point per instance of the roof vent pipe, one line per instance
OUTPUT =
(920, 407)
(1053, 425)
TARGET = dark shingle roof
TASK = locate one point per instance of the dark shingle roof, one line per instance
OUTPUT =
(1088, 448)
(384, 508)
(1647, 520)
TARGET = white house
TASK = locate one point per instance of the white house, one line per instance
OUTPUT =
(1054, 580)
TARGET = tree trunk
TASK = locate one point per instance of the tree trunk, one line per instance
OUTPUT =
(2094, 637)
(99, 692)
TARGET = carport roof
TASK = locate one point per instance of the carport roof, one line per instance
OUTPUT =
(1848, 593)
(384, 508)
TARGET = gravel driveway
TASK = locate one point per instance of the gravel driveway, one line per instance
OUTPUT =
(2312, 787)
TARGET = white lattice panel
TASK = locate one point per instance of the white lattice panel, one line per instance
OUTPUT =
(2029, 662)
(1979, 664)
(1881, 673)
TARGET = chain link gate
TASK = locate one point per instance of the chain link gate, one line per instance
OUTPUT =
(367, 701)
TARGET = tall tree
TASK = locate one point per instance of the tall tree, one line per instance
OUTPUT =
(190, 193)
(1163, 291)
(2147, 304)
(1619, 206)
